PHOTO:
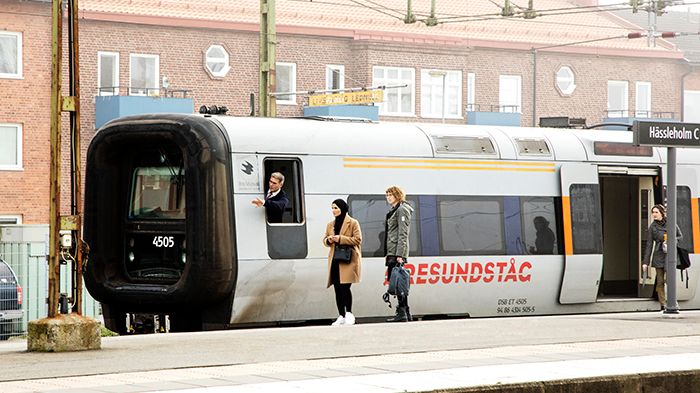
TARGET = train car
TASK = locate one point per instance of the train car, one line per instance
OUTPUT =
(172, 231)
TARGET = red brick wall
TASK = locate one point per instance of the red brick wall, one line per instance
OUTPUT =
(27, 102)
(181, 52)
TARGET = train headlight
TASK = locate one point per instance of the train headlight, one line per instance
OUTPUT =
(183, 258)
(131, 242)
(131, 256)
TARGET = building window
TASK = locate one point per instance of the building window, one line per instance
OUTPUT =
(565, 80)
(617, 99)
(10, 55)
(108, 73)
(10, 219)
(510, 93)
(397, 101)
(335, 77)
(471, 91)
(217, 61)
(286, 74)
(431, 94)
(642, 104)
(10, 146)
(144, 75)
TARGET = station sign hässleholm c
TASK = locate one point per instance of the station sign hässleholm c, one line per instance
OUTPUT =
(654, 133)
(350, 98)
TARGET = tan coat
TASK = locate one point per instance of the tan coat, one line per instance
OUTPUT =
(349, 234)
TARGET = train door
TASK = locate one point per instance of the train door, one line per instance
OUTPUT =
(292, 228)
(626, 199)
(688, 220)
(581, 218)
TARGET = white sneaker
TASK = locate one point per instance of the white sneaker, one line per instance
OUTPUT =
(340, 321)
(349, 319)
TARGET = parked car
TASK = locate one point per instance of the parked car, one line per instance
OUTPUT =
(11, 311)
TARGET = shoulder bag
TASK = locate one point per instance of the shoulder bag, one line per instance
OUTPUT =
(342, 253)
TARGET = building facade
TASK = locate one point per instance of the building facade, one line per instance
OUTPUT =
(576, 65)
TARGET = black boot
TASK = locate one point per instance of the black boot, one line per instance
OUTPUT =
(409, 317)
(400, 315)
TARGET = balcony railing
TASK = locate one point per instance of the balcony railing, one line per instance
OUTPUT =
(142, 91)
(612, 113)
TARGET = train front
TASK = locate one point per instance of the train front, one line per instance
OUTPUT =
(159, 223)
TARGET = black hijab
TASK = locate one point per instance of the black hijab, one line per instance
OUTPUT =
(343, 212)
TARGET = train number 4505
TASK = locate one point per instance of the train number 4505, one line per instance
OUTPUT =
(164, 241)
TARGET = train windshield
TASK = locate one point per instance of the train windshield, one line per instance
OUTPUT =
(158, 193)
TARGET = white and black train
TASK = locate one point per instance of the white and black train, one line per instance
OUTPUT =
(172, 231)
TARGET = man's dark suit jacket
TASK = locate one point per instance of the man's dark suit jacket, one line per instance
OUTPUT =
(274, 207)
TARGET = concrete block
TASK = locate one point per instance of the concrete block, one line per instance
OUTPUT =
(65, 332)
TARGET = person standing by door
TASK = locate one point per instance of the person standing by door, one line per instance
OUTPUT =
(343, 230)
(656, 242)
(275, 200)
(397, 228)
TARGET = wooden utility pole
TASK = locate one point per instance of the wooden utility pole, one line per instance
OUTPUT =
(268, 40)
(60, 104)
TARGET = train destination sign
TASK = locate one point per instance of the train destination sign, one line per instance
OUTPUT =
(652, 133)
(351, 98)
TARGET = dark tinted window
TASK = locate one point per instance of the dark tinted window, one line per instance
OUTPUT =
(539, 225)
(684, 217)
(585, 218)
(370, 211)
(471, 225)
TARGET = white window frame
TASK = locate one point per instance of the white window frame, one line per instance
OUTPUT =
(565, 84)
(17, 218)
(330, 70)
(115, 74)
(471, 91)
(19, 74)
(507, 99)
(624, 111)
(156, 76)
(639, 99)
(225, 60)
(292, 98)
(434, 85)
(18, 165)
(386, 81)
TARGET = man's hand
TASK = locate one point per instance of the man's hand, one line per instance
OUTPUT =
(257, 202)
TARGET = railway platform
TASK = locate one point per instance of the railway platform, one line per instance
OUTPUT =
(622, 352)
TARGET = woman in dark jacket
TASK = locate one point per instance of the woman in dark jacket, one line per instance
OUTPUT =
(343, 230)
(656, 240)
(397, 229)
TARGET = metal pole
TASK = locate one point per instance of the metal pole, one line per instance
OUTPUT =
(671, 299)
(76, 193)
(534, 87)
(55, 164)
(444, 99)
(268, 40)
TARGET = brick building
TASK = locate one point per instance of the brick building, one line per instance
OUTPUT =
(565, 64)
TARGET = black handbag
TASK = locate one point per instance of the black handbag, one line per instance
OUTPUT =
(342, 254)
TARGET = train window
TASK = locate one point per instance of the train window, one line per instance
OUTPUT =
(158, 193)
(370, 211)
(292, 187)
(471, 225)
(684, 217)
(539, 225)
(586, 218)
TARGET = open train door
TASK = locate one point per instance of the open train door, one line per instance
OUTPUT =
(688, 216)
(583, 246)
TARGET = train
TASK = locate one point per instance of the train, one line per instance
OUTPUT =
(173, 235)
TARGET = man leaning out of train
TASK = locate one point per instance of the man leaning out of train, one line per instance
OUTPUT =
(656, 241)
(397, 228)
(343, 236)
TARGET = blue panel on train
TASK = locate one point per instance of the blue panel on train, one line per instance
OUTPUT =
(111, 107)
(350, 111)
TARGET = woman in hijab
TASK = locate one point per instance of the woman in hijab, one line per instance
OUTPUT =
(343, 230)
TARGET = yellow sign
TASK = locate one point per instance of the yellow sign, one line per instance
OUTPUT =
(356, 97)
